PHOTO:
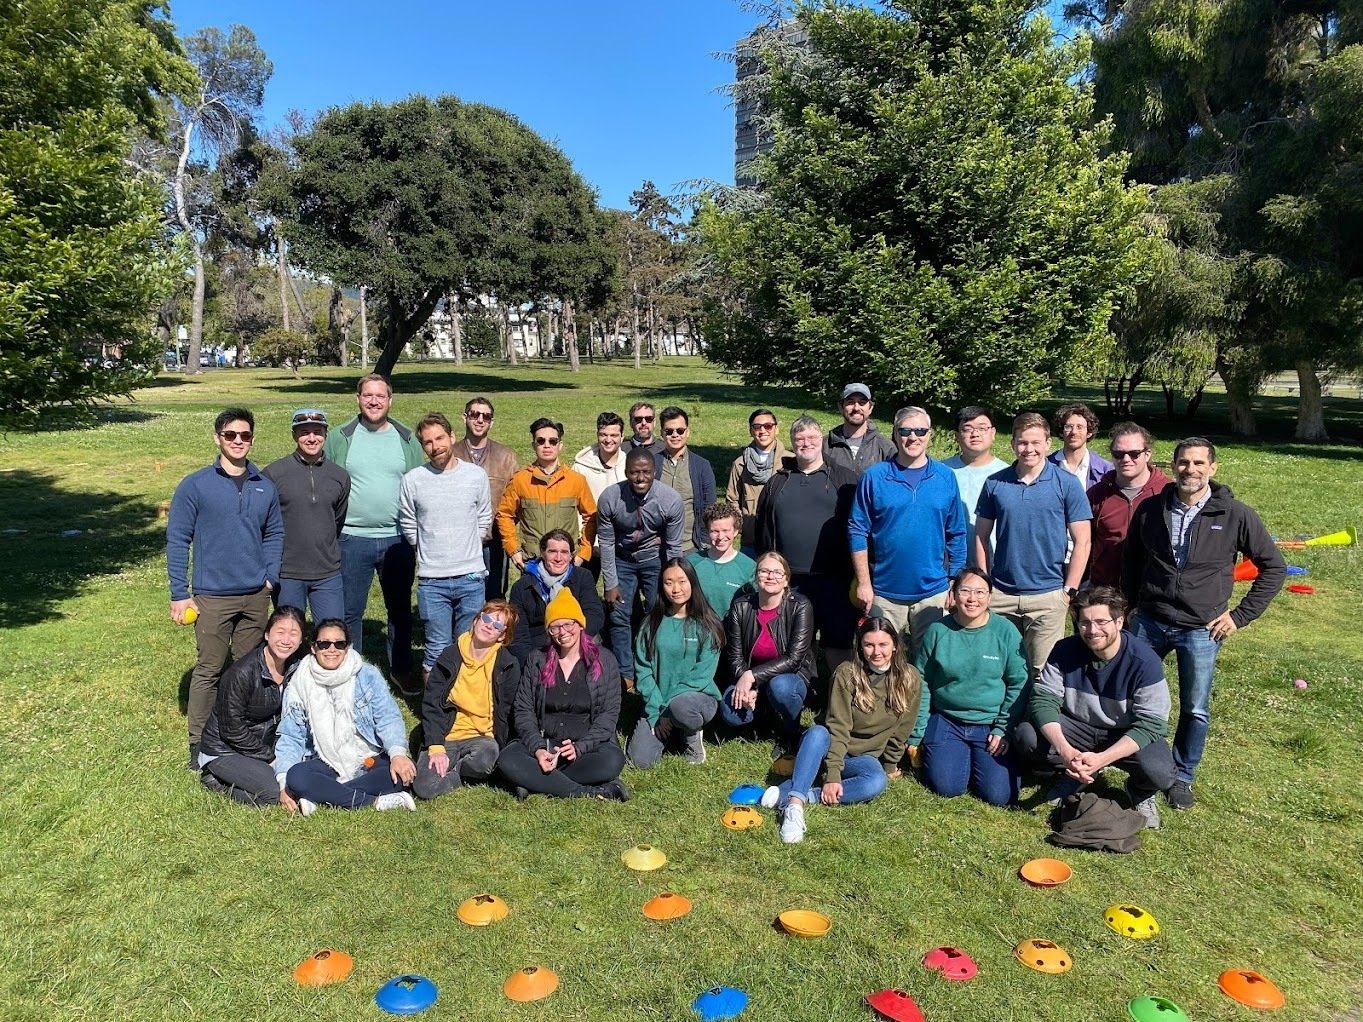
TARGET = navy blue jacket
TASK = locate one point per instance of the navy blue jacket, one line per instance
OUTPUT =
(702, 475)
(237, 537)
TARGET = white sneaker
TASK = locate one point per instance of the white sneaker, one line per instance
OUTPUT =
(793, 823)
(306, 806)
(770, 797)
(396, 800)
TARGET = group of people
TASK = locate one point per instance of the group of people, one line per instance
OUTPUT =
(935, 594)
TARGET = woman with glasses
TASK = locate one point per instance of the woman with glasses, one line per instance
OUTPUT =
(974, 675)
(342, 740)
(566, 710)
(675, 659)
(238, 741)
(544, 578)
(753, 469)
(546, 495)
(466, 711)
(871, 709)
(768, 655)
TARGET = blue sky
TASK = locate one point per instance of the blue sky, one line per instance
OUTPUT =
(629, 89)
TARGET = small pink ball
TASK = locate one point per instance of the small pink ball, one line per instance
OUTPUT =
(1299, 683)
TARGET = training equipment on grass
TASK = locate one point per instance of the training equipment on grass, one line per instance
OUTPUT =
(482, 910)
(1155, 1009)
(644, 858)
(720, 1003)
(1251, 989)
(1044, 956)
(803, 922)
(323, 968)
(530, 984)
(1301, 589)
(1299, 683)
(667, 906)
(1344, 537)
(1045, 872)
(746, 795)
(406, 995)
(1297, 569)
(741, 818)
(1246, 571)
(952, 963)
(895, 1004)
(1131, 921)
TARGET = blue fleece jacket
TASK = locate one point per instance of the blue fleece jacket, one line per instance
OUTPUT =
(917, 531)
(237, 536)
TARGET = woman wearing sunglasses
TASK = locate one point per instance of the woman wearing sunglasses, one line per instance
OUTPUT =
(546, 495)
(342, 741)
(545, 577)
(466, 711)
(566, 711)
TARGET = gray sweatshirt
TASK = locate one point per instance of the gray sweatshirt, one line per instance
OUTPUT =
(445, 516)
(637, 529)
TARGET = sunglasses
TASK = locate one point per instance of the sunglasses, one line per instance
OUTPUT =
(764, 426)
(497, 624)
(233, 435)
(913, 430)
(675, 430)
(643, 418)
(1133, 455)
(547, 441)
(341, 644)
(479, 416)
(309, 417)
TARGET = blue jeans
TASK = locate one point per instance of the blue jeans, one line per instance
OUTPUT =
(956, 759)
(325, 597)
(395, 563)
(1195, 653)
(447, 606)
(313, 780)
(636, 581)
(863, 778)
(783, 696)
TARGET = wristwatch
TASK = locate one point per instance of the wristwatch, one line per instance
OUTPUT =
(1071, 592)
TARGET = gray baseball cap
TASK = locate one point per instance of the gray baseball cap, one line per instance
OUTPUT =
(855, 388)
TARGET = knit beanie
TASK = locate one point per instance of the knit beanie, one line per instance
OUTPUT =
(564, 606)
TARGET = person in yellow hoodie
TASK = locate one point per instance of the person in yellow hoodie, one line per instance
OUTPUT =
(466, 710)
(546, 495)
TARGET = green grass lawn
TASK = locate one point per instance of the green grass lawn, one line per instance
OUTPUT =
(131, 893)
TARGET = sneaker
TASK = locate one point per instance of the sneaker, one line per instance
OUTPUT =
(793, 823)
(770, 797)
(395, 800)
(1146, 807)
(1063, 789)
(306, 806)
(694, 753)
(1180, 795)
(614, 790)
(520, 793)
(211, 783)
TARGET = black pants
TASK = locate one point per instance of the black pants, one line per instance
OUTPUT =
(567, 780)
(1151, 769)
(471, 759)
(251, 781)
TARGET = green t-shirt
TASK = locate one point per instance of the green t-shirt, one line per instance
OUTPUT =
(721, 582)
(376, 463)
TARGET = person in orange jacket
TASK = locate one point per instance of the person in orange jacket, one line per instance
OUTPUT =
(546, 495)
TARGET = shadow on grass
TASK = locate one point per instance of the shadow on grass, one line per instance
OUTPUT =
(419, 382)
(735, 392)
(44, 567)
(68, 421)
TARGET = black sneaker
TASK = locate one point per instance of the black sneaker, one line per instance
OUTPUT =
(1180, 795)
(614, 790)
(194, 756)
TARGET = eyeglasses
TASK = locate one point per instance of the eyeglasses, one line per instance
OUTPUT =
(913, 430)
(974, 430)
(764, 426)
(341, 644)
(1075, 427)
(562, 628)
(547, 441)
(493, 622)
(1133, 455)
(642, 418)
(233, 435)
(675, 430)
(479, 416)
(771, 573)
(979, 593)
(1095, 623)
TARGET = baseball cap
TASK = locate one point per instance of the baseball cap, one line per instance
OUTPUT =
(856, 388)
(310, 417)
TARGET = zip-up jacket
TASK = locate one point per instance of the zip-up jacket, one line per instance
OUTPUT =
(638, 530)
(246, 715)
(702, 476)
(875, 446)
(599, 476)
(337, 446)
(534, 503)
(438, 713)
(1199, 592)
(236, 536)
(792, 630)
(831, 554)
(1112, 513)
(313, 500)
(605, 711)
(529, 598)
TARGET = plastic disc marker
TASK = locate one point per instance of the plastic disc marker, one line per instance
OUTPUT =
(720, 1003)
(406, 995)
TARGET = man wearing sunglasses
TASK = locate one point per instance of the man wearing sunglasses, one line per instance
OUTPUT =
(908, 512)
(500, 463)
(642, 418)
(1115, 497)
(688, 473)
(546, 495)
(225, 519)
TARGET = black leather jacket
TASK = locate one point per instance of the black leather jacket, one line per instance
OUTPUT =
(793, 631)
(246, 713)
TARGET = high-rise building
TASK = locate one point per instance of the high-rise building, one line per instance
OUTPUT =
(749, 138)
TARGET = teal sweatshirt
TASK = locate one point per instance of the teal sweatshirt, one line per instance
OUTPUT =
(681, 663)
(721, 582)
(972, 675)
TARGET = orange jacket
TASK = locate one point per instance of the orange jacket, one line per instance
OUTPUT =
(534, 503)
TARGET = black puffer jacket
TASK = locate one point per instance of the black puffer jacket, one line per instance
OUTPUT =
(438, 713)
(792, 630)
(245, 716)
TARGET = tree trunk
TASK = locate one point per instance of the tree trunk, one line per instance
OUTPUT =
(634, 336)
(506, 334)
(196, 321)
(298, 300)
(364, 329)
(570, 335)
(398, 329)
(1241, 386)
(654, 347)
(456, 327)
(1310, 408)
(282, 269)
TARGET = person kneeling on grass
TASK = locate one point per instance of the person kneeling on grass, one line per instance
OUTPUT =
(237, 747)
(466, 712)
(342, 741)
(566, 711)
(675, 659)
(871, 709)
(975, 674)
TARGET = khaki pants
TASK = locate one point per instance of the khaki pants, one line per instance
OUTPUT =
(1040, 618)
(235, 623)
(912, 619)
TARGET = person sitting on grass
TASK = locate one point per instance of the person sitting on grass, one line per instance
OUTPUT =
(723, 569)
(768, 655)
(566, 711)
(675, 657)
(871, 709)
(342, 741)
(974, 674)
(544, 577)
(466, 712)
(237, 747)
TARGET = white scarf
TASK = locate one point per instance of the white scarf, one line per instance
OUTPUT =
(329, 699)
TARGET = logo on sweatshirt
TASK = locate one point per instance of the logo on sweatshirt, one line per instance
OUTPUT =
(988, 656)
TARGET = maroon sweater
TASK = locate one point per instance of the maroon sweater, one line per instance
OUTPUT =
(1111, 519)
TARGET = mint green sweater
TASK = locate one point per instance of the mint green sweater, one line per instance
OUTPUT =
(972, 675)
(684, 659)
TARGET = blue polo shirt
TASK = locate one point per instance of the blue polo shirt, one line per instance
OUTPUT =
(1031, 527)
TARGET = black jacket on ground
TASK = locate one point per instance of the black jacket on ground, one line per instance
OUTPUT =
(1199, 592)
(245, 716)
(833, 556)
(792, 630)
(605, 713)
(528, 599)
(438, 713)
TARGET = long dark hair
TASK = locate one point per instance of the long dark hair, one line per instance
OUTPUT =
(699, 614)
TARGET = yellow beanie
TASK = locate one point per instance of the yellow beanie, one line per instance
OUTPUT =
(564, 606)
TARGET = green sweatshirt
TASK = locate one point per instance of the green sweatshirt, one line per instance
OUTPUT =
(721, 582)
(973, 675)
(878, 731)
(681, 663)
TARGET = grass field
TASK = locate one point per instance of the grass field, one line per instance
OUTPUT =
(131, 893)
